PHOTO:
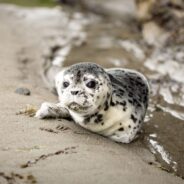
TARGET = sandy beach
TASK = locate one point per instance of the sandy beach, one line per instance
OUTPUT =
(54, 151)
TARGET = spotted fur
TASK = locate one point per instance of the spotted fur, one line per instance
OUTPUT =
(113, 105)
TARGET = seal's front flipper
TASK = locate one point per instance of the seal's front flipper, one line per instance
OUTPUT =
(50, 110)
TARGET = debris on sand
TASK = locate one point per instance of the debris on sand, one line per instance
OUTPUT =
(65, 151)
(29, 110)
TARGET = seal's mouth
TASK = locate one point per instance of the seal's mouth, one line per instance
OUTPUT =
(77, 107)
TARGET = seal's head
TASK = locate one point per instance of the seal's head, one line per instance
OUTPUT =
(83, 88)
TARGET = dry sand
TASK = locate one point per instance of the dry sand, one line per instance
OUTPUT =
(52, 151)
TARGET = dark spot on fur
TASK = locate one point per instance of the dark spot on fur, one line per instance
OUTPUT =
(129, 126)
(133, 118)
(87, 120)
(99, 118)
(124, 108)
(117, 102)
(121, 129)
(112, 103)
(130, 101)
(138, 78)
(108, 95)
(121, 92)
(138, 104)
(106, 106)
(119, 95)
(99, 107)
(130, 94)
(123, 103)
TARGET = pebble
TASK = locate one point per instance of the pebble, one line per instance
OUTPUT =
(23, 91)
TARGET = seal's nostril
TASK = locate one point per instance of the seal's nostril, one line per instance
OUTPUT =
(74, 92)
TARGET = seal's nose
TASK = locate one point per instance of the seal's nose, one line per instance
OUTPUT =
(74, 92)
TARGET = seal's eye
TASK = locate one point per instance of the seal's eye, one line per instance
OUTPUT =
(91, 84)
(65, 84)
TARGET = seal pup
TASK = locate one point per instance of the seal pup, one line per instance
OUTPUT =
(109, 102)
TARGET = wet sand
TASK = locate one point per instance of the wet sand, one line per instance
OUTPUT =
(120, 43)
(55, 151)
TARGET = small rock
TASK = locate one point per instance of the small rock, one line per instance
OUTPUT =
(23, 91)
